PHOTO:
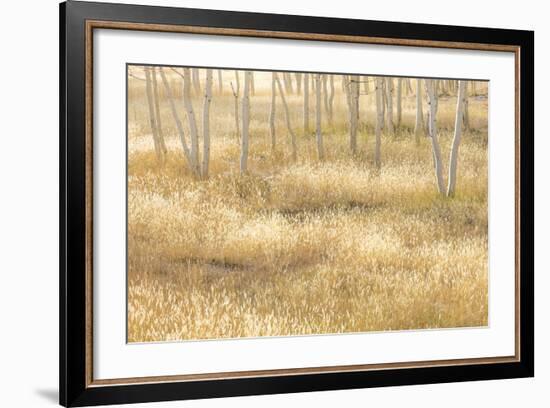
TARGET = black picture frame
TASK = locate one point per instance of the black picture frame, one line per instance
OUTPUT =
(75, 389)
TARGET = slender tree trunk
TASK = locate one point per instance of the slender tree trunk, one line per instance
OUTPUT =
(384, 103)
(252, 86)
(287, 117)
(236, 91)
(324, 81)
(156, 94)
(246, 121)
(419, 122)
(318, 108)
(176, 117)
(366, 87)
(220, 82)
(191, 120)
(196, 80)
(389, 101)
(298, 83)
(152, 119)
(399, 90)
(206, 123)
(453, 160)
(353, 112)
(272, 112)
(346, 89)
(432, 129)
(466, 110)
(379, 120)
(287, 78)
(331, 100)
(306, 103)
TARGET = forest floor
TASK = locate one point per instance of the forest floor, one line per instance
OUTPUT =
(305, 247)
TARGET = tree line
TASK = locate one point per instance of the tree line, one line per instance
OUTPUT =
(322, 86)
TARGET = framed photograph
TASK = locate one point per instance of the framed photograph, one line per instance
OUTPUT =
(257, 203)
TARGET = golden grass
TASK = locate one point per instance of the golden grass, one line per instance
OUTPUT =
(303, 247)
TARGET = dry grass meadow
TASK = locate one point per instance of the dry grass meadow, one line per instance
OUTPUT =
(303, 247)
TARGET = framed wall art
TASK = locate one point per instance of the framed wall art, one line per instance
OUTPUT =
(256, 203)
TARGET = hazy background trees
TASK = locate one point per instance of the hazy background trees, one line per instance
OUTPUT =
(398, 109)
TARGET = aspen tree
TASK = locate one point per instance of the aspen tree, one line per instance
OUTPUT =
(346, 89)
(236, 91)
(196, 80)
(419, 122)
(191, 120)
(366, 85)
(384, 99)
(287, 78)
(432, 131)
(220, 82)
(287, 117)
(399, 90)
(466, 116)
(252, 86)
(318, 108)
(246, 121)
(272, 111)
(206, 123)
(324, 80)
(176, 117)
(306, 103)
(389, 101)
(298, 83)
(353, 112)
(453, 160)
(157, 113)
(379, 84)
(152, 119)
(331, 99)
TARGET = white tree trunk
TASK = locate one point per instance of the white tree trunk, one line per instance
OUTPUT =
(152, 119)
(399, 91)
(196, 80)
(453, 161)
(176, 117)
(156, 95)
(220, 82)
(466, 111)
(389, 101)
(252, 86)
(287, 78)
(287, 117)
(246, 121)
(191, 120)
(432, 129)
(353, 86)
(331, 99)
(206, 123)
(419, 122)
(236, 91)
(384, 99)
(318, 109)
(273, 110)
(324, 82)
(299, 83)
(379, 120)
(306, 103)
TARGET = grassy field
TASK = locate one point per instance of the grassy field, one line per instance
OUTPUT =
(303, 247)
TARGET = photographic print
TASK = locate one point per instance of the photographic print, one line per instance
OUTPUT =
(265, 203)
